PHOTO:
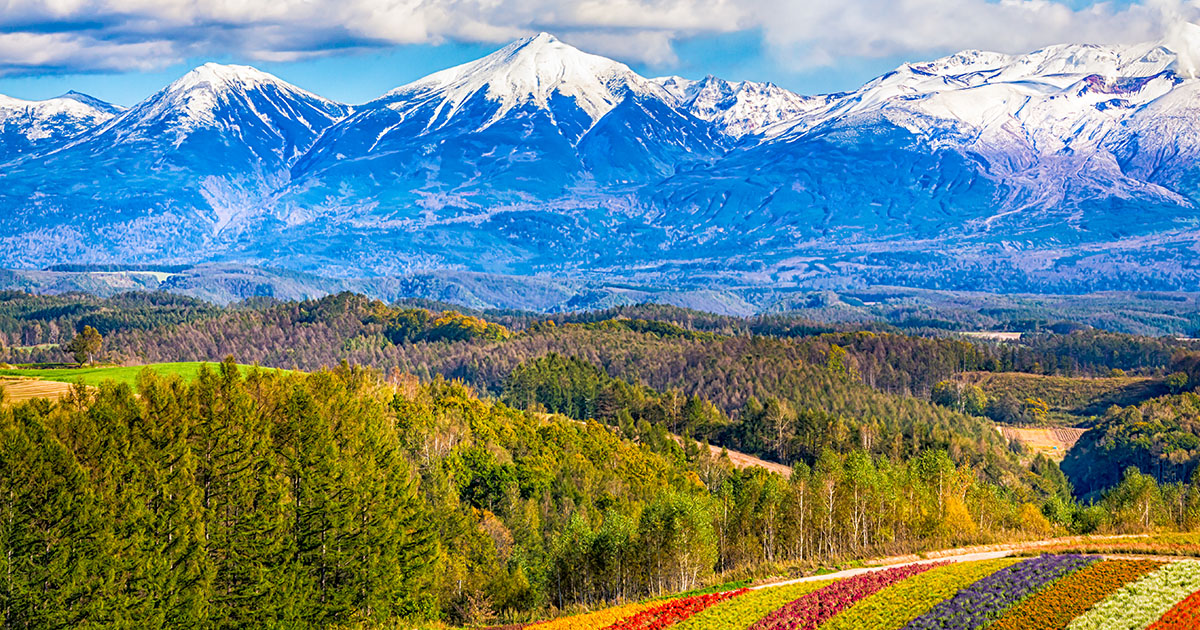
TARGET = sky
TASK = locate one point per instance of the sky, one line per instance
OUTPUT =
(355, 50)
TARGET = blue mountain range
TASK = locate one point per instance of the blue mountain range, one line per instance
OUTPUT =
(1072, 168)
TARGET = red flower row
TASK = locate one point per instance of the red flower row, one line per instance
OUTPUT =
(672, 612)
(1183, 616)
(817, 607)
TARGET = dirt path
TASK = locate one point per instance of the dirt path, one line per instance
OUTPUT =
(742, 460)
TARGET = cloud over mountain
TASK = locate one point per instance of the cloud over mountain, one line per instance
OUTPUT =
(38, 37)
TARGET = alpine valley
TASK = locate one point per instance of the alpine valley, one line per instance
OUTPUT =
(1069, 169)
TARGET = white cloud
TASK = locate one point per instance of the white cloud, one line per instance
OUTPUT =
(75, 35)
(808, 34)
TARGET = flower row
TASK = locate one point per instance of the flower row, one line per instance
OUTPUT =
(672, 612)
(1183, 616)
(813, 609)
(1048, 592)
(1056, 606)
(1143, 601)
(741, 611)
(895, 606)
(595, 620)
(989, 598)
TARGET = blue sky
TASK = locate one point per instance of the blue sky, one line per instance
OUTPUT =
(354, 50)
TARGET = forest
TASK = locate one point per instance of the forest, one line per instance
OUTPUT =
(412, 463)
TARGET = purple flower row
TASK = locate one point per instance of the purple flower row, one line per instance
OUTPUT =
(988, 599)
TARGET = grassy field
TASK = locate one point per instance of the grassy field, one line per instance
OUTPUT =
(1071, 400)
(120, 374)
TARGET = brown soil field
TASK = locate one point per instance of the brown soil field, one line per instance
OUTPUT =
(22, 389)
(1053, 442)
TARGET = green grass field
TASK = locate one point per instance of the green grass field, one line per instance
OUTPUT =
(121, 374)
(1071, 399)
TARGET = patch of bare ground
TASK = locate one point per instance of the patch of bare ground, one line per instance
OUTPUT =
(1053, 442)
(23, 389)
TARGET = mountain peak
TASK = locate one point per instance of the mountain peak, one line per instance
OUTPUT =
(91, 101)
(531, 71)
(215, 75)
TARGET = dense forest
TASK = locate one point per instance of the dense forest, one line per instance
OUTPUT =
(340, 496)
(420, 463)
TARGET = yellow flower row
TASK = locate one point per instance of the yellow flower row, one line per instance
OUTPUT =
(595, 620)
(742, 611)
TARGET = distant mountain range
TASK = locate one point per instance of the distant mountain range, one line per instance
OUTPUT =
(1070, 169)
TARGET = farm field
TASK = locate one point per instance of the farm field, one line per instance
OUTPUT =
(93, 376)
(1048, 591)
(1161, 545)
(1052, 442)
(18, 390)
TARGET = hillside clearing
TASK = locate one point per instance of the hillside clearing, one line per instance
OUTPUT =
(126, 374)
(1053, 442)
(1071, 400)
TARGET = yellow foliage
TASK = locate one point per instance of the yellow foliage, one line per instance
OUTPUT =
(1033, 521)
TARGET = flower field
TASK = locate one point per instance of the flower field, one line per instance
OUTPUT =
(893, 608)
(984, 601)
(1142, 602)
(740, 612)
(811, 610)
(595, 620)
(1183, 616)
(1070, 597)
(673, 611)
(1048, 592)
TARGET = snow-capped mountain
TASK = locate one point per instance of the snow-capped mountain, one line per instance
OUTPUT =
(535, 122)
(539, 72)
(239, 108)
(169, 174)
(739, 108)
(994, 147)
(976, 170)
(26, 125)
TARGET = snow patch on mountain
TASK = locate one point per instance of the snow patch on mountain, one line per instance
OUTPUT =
(53, 118)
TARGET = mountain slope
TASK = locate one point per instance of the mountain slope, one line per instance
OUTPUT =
(166, 177)
(977, 170)
(31, 125)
